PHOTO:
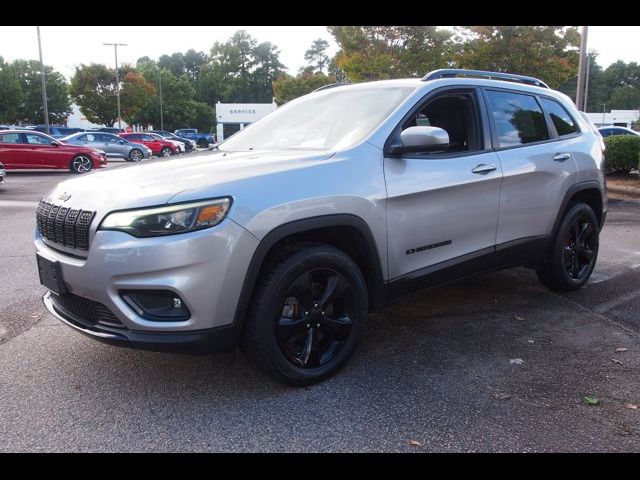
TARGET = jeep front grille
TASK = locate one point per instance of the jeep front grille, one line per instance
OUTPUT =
(64, 226)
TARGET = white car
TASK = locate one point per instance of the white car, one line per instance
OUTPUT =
(179, 145)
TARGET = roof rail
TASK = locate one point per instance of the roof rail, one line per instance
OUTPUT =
(510, 77)
(331, 85)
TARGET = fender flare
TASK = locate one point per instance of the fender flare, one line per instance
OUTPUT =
(300, 226)
(575, 188)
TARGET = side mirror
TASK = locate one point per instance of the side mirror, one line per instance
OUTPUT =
(421, 139)
(55, 143)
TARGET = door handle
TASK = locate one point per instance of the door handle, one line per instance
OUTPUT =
(561, 157)
(484, 168)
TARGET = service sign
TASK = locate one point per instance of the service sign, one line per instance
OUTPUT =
(242, 112)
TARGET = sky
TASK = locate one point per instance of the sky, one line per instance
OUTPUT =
(64, 48)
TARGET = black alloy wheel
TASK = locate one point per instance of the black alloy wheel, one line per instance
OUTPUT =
(316, 318)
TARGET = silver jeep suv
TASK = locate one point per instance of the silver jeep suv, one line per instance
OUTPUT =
(286, 236)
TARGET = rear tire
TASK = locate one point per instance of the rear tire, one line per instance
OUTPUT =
(573, 252)
(306, 316)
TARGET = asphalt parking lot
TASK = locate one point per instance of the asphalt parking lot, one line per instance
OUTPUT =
(492, 363)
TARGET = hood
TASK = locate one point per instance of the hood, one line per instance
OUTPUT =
(157, 182)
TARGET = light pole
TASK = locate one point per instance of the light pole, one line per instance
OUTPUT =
(604, 107)
(581, 70)
(115, 49)
(44, 86)
(160, 85)
(586, 83)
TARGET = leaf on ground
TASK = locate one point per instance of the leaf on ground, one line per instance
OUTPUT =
(620, 350)
(530, 341)
(502, 396)
(517, 361)
(631, 406)
(616, 361)
(414, 443)
(591, 400)
(518, 317)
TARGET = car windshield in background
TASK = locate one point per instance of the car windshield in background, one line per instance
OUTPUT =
(329, 120)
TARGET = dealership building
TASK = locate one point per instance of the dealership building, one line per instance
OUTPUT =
(232, 117)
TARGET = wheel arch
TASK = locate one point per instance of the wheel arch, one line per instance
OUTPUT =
(588, 192)
(349, 233)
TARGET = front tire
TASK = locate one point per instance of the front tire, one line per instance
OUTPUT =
(202, 143)
(165, 152)
(135, 155)
(80, 164)
(306, 316)
(573, 252)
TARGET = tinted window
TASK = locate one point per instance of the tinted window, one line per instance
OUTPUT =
(10, 138)
(111, 139)
(32, 138)
(518, 118)
(560, 117)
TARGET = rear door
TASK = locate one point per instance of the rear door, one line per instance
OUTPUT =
(538, 167)
(14, 152)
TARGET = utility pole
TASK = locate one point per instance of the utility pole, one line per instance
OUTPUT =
(586, 83)
(604, 108)
(115, 49)
(44, 86)
(581, 69)
(160, 84)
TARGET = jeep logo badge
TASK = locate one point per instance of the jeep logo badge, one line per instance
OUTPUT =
(64, 197)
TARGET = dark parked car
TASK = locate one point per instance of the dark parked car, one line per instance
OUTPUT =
(202, 139)
(609, 131)
(113, 130)
(31, 149)
(57, 132)
(112, 145)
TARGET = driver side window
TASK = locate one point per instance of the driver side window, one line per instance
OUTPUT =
(456, 113)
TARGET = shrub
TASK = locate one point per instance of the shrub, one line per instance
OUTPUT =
(622, 153)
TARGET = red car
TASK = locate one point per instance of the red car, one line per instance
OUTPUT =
(160, 148)
(29, 149)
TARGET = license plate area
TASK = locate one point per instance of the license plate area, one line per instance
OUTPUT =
(51, 275)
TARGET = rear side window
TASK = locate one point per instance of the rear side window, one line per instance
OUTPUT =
(10, 138)
(518, 118)
(565, 125)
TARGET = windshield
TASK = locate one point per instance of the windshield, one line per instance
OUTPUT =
(328, 120)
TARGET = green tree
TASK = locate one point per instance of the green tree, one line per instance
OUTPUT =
(624, 98)
(287, 88)
(547, 52)
(30, 108)
(136, 94)
(239, 70)
(316, 55)
(10, 93)
(382, 52)
(93, 89)
(180, 109)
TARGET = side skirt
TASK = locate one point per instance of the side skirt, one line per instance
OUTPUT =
(511, 254)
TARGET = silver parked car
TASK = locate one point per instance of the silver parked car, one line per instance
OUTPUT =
(286, 236)
(113, 145)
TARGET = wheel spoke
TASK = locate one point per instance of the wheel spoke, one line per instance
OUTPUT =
(287, 327)
(339, 326)
(311, 351)
(587, 253)
(336, 286)
(585, 231)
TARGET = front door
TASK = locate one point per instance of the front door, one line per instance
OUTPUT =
(442, 207)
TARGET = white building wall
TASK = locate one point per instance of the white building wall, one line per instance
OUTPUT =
(615, 116)
(78, 120)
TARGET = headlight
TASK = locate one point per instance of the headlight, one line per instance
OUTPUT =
(168, 220)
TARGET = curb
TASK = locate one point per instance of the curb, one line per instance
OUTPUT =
(618, 190)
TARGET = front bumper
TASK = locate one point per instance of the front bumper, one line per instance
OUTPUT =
(201, 342)
(205, 269)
